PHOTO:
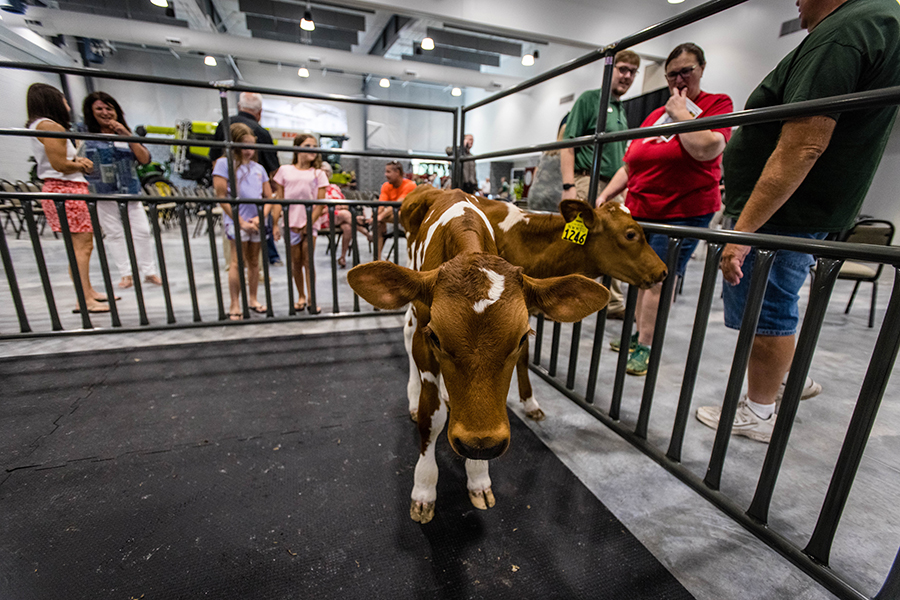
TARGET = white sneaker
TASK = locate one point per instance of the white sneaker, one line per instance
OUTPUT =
(746, 422)
(810, 389)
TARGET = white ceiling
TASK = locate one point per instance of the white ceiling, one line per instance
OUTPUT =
(543, 26)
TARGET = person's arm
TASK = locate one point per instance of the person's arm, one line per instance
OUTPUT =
(220, 185)
(56, 152)
(801, 144)
(267, 193)
(701, 145)
(616, 186)
(141, 154)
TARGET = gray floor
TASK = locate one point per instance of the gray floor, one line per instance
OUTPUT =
(711, 555)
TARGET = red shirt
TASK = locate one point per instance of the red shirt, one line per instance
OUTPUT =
(664, 181)
(389, 193)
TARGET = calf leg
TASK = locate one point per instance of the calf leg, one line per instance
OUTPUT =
(432, 418)
(479, 484)
(526, 394)
(414, 386)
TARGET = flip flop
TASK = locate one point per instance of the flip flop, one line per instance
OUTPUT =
(300, 306)
(259, 309)
(77, 311)
(105, 299)
(314, 312)
(235, 316)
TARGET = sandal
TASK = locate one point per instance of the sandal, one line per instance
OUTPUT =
(96, 309)
(259, 309)
(314, 312)
(235, 316)
(300, 306)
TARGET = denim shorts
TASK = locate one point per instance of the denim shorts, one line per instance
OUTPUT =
(229, 231)
(780, 311)
(660, 242)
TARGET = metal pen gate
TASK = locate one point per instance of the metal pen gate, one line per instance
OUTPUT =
(813, 558)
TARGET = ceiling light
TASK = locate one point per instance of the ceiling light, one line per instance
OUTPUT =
(536, 54)
(675, 1)
(456, 92)
(428, 44)
(160, 3)
(385, 82)
(528, 60)
(306, 23)
(303, 72)
(210, 61)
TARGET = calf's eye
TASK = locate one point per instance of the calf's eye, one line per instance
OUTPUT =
(434, 339)
(631, 235)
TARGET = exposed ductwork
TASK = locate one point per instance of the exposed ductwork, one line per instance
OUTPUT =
(55, 22)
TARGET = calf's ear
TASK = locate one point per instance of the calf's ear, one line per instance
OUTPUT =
(572, 208)
(565, 299)
(389, 286)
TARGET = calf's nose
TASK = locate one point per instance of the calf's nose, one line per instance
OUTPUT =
(480, 448)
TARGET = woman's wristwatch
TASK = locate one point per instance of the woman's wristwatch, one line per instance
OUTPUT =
(568, 186)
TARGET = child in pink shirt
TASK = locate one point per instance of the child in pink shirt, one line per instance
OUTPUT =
(303, 179)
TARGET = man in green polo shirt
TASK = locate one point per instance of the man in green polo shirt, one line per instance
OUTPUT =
(803, 177)
(576, 163)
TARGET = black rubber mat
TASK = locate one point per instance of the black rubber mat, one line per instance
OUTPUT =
(277, 468)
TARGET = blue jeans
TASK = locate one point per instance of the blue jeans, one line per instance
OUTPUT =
(660, 242)
(780, 310)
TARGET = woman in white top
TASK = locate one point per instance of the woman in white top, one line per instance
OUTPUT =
(63, 172)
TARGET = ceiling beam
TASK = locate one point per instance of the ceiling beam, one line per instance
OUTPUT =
(481, 44)
(389, 35)
(294, 13)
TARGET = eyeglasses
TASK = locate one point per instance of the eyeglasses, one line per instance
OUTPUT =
(623, 70)
(685, 73)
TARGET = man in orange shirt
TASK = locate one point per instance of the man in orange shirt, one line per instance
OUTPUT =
(394, 189)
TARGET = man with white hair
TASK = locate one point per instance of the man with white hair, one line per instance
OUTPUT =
(249, 112)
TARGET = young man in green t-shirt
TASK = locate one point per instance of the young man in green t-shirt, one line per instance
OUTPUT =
(804, 177)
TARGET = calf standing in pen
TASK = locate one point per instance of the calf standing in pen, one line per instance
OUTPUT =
(469, 325)
(613, 244)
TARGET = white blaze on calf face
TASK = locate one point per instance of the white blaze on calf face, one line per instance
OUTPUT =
(448, 215)
(493, 294)
(513, 215)
(623, 208)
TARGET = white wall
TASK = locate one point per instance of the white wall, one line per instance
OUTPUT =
(14, 163)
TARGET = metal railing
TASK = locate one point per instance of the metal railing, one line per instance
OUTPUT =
(813, 558)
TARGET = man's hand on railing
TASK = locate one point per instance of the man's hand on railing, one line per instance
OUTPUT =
(732, 260)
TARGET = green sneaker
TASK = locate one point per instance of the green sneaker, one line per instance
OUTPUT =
(637, 362)
(616, 343)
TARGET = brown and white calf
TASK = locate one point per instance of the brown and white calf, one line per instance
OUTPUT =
(614, 245)
(470, 311)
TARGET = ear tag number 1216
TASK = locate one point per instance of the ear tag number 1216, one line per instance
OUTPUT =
(576, 231)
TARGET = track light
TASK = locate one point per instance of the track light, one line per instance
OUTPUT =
(536, 54)
(303, 72)
(675, 1)
(456, 92)
(428, 44)
(160, 3)
(385, 82)
(306, 23)
(528, 60)
(209, 61)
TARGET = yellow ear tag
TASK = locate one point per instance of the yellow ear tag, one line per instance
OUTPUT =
(576, 231)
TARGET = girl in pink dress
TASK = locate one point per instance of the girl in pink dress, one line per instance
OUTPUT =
(303, 179)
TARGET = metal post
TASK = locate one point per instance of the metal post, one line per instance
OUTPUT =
(73, 264)
(104, 263)
(135, 273)
(163, 273)
(237, 246)
(538, 339)
(602, 116)
(13, 284)
(264, 256)
(289, 263)
(758, 282)
(313, 307)
(554, 349)
(615, 403)
(41, 265)
(333, 244)
(188, 261)
(659, 336)
(214, 254)
(698, 335)
(573, 355)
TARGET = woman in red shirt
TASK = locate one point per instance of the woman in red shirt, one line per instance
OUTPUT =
(672, 180)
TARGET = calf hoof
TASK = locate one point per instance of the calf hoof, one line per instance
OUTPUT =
(414, 416)
(421, 512)
(536, 415)
(482, 499)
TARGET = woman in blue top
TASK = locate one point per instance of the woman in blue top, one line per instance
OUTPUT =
(252, 183)
(114, 173)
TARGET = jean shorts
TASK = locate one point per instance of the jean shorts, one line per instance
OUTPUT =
(780, 310)
(229, 231)
(660, 242)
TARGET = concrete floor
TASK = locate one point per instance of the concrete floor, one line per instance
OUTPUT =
(710, 554)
